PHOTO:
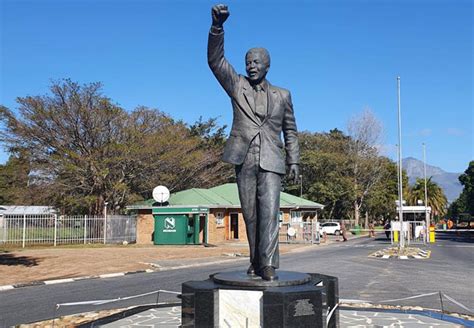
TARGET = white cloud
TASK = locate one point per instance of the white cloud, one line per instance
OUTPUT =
(425, 132)
(455, 132)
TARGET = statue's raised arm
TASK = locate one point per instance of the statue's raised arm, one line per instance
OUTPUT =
(222, 69)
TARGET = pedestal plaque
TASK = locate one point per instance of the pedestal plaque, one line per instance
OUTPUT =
(294, 300)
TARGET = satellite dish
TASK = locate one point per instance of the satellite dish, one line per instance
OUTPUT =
(161, 194)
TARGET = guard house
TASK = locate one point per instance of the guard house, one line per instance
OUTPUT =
(415, 213)
(416, 221)
(214, 215)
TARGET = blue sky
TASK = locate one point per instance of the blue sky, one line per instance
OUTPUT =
(337, 57)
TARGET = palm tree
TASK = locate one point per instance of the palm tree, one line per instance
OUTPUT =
(436, 198)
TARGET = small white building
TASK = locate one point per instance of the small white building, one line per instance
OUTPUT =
(26, 210)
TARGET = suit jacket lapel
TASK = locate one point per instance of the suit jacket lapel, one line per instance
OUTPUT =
(271, 100)
(250, 108)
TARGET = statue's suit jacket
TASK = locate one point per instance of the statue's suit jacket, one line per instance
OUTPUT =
(246, 125)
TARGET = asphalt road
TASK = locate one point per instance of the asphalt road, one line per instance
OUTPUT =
(360, 277)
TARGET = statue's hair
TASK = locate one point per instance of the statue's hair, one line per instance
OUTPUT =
(263, 51)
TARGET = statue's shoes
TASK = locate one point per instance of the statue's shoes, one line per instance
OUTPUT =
(268, 273)
(251, 270)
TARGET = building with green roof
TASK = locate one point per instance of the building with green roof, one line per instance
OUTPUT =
(214, 215)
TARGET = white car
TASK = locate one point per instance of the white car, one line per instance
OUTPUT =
(330, 228)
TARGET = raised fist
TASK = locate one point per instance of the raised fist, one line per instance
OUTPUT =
(220, 13)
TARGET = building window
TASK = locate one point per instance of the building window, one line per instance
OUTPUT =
(220, 218)
(296, 217)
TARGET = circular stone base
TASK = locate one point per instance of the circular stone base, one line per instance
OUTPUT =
(241, 278)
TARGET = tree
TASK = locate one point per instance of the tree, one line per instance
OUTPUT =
(365, 164)
(327, 167)
(213, 139)
(436, 198)
(14, 180)
(465, 201)
(324, 171)
(85, 150)
(381, 201)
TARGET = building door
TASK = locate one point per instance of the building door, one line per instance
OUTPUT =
(202, 228)
(234, 225)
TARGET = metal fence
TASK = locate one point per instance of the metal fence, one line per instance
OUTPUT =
(303, 232)
(47, 229)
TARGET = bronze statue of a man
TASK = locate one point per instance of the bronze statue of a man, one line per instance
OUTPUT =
(261, 113)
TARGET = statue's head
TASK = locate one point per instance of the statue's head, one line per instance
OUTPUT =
(257, 64)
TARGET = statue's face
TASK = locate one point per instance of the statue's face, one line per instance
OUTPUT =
(256, 65)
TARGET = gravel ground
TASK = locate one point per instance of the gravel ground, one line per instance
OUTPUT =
(39, 264)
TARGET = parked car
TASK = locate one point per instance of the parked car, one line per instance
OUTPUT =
(330, 228)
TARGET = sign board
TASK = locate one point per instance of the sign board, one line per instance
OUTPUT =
(170, 224)
(179, 210)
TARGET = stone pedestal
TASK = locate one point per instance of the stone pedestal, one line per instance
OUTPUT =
(234, 299)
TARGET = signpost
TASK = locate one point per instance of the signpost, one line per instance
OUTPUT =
(427, 216)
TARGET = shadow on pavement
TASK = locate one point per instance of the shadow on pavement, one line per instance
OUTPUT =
(456, 236)
(10, 259)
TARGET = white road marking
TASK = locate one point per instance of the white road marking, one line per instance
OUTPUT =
(57, 281)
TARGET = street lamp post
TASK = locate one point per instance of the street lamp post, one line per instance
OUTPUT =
(105, 222)
(301, 185)
(400, 182)
(427, 218)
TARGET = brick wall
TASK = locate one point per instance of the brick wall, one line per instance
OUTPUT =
(217, 233)
(145, 227)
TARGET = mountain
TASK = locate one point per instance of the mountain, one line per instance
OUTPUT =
(446, 180)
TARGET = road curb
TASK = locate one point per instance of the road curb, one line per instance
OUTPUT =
(111, 275)
(65, 280)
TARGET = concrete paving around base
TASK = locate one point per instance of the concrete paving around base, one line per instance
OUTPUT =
(171, 317)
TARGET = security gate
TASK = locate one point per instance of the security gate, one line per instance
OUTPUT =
(416, 232)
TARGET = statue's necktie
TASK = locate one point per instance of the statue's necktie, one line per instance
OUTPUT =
(260, 102)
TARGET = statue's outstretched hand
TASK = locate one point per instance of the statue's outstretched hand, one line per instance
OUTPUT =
(220, 13)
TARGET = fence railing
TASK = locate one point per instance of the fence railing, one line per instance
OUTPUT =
(304, 232)
(51, 229)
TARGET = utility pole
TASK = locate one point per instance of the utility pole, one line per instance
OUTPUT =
(427, 218)
(301, 185)
(400, 182)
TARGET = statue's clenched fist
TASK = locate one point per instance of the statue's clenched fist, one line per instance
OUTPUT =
(220, 13)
